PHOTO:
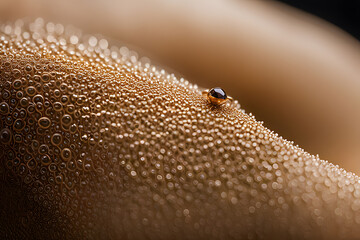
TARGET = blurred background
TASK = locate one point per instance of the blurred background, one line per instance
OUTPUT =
(294, 64)
(342, 13)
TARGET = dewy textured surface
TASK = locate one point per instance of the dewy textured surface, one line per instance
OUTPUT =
(96, 145)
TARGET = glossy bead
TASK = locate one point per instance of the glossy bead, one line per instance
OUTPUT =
(216, 96)
(5, 136)
(218, 93)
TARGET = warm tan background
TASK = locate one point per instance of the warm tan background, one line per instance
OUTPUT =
(299, 75)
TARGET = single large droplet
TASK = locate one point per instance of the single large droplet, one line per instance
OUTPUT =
(218, 93)
(217, 96)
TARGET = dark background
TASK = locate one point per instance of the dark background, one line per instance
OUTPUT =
(343, 13)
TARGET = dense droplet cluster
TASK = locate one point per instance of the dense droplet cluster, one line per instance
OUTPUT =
(96, 144)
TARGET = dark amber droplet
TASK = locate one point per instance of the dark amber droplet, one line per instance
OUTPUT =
(217, 96)
(5, 136)
(19, 125)
(44, 122)
(4, 108)
(56, 139)
(218, 93)
(66, 154)
(66, 120)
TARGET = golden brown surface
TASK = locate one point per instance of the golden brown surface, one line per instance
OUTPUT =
(96, 145)
(295, 72)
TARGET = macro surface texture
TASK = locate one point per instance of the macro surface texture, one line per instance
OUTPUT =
(96, 144)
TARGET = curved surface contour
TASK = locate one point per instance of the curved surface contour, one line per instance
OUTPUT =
(97, 145)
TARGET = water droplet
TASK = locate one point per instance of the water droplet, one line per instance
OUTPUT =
(5, 136)
(44, 122)
(56, 139)
(73, 128)
(24, 102)
(17, 84)
(6, 94)
(31, 91)
(64, 99)
(58, 106)
(43, 149)
(19, 94)
(45, 160)
(66, 120)
(66, 154)
(216, 96)
(28, 68)
(19, 125)
(4, 108)
(45, 77)
(38, 99)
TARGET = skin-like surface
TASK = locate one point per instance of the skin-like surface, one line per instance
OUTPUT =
(96, 145)
(259, 51)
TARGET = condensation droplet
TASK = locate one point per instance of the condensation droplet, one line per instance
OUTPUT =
(44, 122)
